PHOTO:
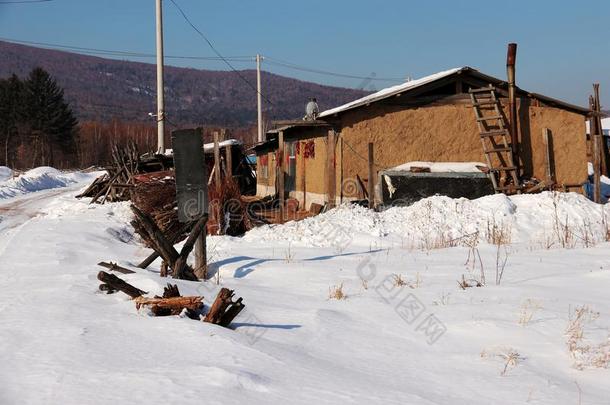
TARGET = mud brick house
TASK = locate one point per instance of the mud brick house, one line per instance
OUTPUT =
(430, 119)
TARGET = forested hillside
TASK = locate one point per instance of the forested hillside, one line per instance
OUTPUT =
(104, 89)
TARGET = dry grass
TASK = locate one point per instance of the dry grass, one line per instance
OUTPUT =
(289, 254)
(528, 310)
(336, 292)
(498, 232)
(468, 283)
(584, 354)
(510, 357)
(474, 257)
(398, 281)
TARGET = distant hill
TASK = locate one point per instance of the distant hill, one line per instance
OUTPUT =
(103, 89)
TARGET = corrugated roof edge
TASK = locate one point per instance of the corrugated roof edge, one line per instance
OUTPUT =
(390, 91)
(413, 84)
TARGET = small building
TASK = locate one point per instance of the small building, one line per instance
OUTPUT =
(429, 119)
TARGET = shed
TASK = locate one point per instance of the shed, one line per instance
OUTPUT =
(429, 119)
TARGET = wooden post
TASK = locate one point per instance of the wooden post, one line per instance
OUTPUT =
(304, 176)
(512, 103)
(546, 139)
(201, 260)
(331, 174)
(600, 131)
(216, 160)
(341, 173)
(229, 159)
(371, 184)
(281, 173)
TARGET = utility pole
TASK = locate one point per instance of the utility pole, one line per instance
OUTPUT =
(160, 88)
(259, 98)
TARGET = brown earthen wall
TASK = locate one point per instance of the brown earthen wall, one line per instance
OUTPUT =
(449, 133)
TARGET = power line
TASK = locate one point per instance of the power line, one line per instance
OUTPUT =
(289, 65)
(97, 51)
(25, 1)
(218, 53)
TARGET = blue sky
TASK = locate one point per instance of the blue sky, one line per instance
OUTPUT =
(563, 45)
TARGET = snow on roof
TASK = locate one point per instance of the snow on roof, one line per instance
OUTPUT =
(442, 167)
(390, 91)
(210, 146)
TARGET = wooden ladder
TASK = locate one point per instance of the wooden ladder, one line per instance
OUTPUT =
(494, 133)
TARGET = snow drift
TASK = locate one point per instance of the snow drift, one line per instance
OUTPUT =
(40, 178)
(543, 218)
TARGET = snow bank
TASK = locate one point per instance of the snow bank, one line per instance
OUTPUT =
(440, 221)
(40, 178)
(443, 167)
(5, 173)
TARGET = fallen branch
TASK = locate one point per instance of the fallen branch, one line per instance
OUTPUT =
(118, 284)
(115, 267)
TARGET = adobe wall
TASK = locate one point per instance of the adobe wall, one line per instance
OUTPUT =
(446, 133)
(312, 177)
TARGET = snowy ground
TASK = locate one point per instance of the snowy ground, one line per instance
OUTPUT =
(426, 342)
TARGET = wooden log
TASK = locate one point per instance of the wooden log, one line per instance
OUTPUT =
(107, 288)
(232, 312)
(171, 290)
(165, 248)
(178, 303)
(172, 239)
(119, 284)
(115, 267)
(180, 267)
(201, 259)
(219, 307)
(106, 187)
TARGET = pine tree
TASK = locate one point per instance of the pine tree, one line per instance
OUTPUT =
(50, 120)
(11, 114)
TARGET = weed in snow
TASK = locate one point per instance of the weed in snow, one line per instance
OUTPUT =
(336, 292)
(584, 354)
(528, 310)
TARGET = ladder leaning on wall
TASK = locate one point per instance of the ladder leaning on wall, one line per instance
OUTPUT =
(494, 133)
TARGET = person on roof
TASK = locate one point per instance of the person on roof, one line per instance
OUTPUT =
(311, 110)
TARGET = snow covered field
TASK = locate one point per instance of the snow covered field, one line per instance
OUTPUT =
(405, 332)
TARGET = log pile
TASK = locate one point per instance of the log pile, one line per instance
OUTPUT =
(222, 312)
(115, 184)
(119, 179)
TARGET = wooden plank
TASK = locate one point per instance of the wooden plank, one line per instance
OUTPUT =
(371, 184)
(546, 140)
(331, 172)
(482, 90)
(490, 117)
(229, 159)
(282, 173)
(216, 161)
(115, 267)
